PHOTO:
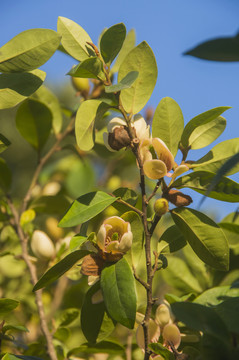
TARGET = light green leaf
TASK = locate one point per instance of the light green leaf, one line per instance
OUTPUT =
(7, 305)
(137, 248)
(230, 227)
(28, 50)
(128, 45)
(171, 240)
(201, 318)
(225, 190)
(125, 83)
(34, 121)
(204, 236)
(4, 143)
(68, 316)
(140, 59)
(14, 88)
(216, 295)
(111, 42)
(77, 241)
(118, 287)
(218, 156)
(50, 204)
(95, 323)
(168, 123)
(86, 207)
(73, 38)
(159, 349)
(90, 68)
(14, 328)
(105, 347)
(88, 113)
(204, 128)
(44, 95)
(5, 176)
(60, 268)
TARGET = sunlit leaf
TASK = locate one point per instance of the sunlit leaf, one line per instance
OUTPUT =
(216, 295)
(89, 68)
(128, 45)
(125, 83)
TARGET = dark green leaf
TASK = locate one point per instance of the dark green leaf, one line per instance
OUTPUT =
(28, 50)
(140, 59)
(14, 88)
(108, 347)
(95, 323)
(5, 176)
(228, 310)
(128, 45)
(171, 240)
(168, 123)
(125, 83)
(218, 156)
(4, 143)
(50, 204)
(159, 349)
(111, 42)
(60, 268)
(62, 334)
(204, 236)
(68, 316)
(90, 68)
(128, 195)
(86, 207)
(6, 306)
(34, 122)
(73, 38)
(118, 287)
(89, 112)
(201, 318)
(204, 128)
(219, 49)
(200, 181)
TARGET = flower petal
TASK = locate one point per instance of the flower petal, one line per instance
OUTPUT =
(116, 121)
(106, 142)
(101, 236)
(126, 242)
(113, 247)
(171, 334)
(163, 153)
(141, 127)
(154, 169)
(117, 223)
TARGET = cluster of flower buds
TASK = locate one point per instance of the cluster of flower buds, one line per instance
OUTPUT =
(114, 239)
(161, 325)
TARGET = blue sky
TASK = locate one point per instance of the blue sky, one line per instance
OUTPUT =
(170, 27)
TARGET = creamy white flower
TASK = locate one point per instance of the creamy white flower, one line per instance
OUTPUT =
(42, 246)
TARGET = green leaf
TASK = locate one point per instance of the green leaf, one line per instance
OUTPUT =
(201, 318)
(28, 50)
(95, 323)
(225, 190)
(118, 287)
(34, 121)
(128, 195)
(86, 207)
(159, 349)
(17, 87)
(45, 96)
(204, 128)
(111, 42)
(168, 123)
(137, 248)
(89, 112)
(204, 236)
(230, 227)
(216, 295)
(73, 38)
(140, 59)
(62, 334)
(60, 268)
(23, 357)
(106, 347)
(128, 45)
(125, 83)
(4, 143)
(7, 305)
(218, 156)
(14, 328)
(50, 204)
(68, 316)
(171, 240)
(219, 49)
(228, 310)
(5, 176)
(90, 68)
(77, 241)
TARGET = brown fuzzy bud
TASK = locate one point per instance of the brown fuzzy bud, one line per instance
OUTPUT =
(119, 138)
(177, 198)
(92, 265)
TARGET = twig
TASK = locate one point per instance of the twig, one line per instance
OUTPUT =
(142, 282)
(154, 224)
(120, 201)
(155, 190)
(128, 350)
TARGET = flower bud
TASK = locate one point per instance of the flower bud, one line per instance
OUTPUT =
(92, 265)
(154, 333)
(80, 84)
(42, 246)
(171, 335)
(177, 198)
(119, 138)
(162, 316)
(161, 206)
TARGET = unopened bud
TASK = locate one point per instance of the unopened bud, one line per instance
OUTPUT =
(42, 246)
(162, 316)
(171, 335)
(119, 138)
(161, 206)
(178, 198)
(92, 265)
(80, 84)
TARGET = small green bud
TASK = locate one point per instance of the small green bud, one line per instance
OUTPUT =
(80, 84)
(161, 206)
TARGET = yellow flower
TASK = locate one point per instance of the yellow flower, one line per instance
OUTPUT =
(115, 236)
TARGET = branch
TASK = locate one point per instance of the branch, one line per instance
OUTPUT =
(155, 190)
